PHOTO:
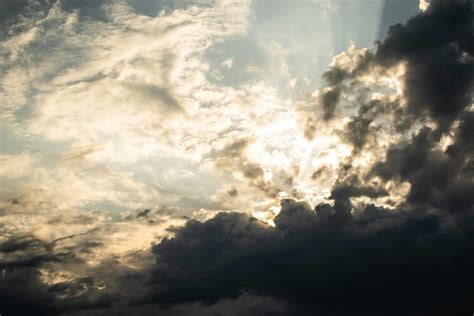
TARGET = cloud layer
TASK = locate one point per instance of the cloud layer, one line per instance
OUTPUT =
(142, 174)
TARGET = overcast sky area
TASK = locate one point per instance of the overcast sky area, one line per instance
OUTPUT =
(236, 157)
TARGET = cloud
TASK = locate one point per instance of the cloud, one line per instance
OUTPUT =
(68, 261)
(146, 116)
(430, 50)
(406, 126)
(126, 150)
(376, 101)
(434, 175)
(114, 91)
(21, 289)
(434, 58)
(424, 5)
(361, 262)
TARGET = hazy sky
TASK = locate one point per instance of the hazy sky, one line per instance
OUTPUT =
(277, 146)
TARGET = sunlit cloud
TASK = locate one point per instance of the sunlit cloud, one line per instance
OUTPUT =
(148, 146)
(424, 5)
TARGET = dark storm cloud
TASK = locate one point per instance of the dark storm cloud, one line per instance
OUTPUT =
(22, 290)
(439, 82)
(438, 48)
(358, 129)
(343, 191)
(438, 179)
(329, 100)
(371, 261)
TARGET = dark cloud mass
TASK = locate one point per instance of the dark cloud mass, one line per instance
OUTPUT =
(438, 48)
(24, 292)
(375, 260)
(437, 179)
(21, 291)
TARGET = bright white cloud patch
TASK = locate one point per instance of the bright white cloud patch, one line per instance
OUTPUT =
(424, 5)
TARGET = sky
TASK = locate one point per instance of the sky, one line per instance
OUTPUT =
(236, 157)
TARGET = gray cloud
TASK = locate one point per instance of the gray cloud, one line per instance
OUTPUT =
(364, 262)
(439, 51)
